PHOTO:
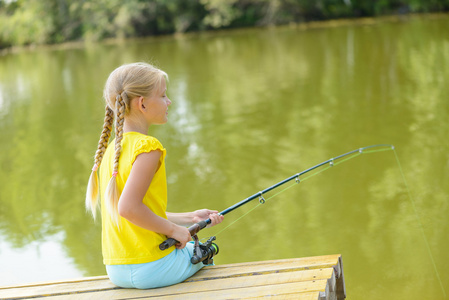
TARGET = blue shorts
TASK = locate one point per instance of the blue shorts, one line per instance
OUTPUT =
(171, 269)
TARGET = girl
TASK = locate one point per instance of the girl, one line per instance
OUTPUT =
(133, 186)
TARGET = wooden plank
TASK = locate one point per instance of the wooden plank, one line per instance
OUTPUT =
(329, 291)
(227, 284)
(246, 269)
(301, 296)
(186, 289)
(294, 296)
(62, 287)
(312, 260)
(305, 273)
(341, 287)
(295, 290)
(255, 292)
(93, 278)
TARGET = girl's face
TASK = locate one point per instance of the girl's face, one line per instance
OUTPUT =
(156, 106)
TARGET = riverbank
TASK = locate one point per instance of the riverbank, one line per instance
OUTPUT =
(48, 21)
(366, 21)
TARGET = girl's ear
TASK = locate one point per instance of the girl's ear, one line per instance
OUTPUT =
(141, 103)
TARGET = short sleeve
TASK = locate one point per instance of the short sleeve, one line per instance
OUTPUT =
(146, 145)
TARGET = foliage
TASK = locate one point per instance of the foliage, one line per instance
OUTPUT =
(25, 22)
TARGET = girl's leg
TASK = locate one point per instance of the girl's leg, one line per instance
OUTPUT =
(174, 268)
(121, 275)
(171, 269)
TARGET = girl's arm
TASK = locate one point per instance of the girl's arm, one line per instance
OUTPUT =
(132, 208)
(190, 218)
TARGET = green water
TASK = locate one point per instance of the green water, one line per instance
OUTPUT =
(250, 108)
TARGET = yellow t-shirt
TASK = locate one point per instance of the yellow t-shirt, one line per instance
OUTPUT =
(133, 244)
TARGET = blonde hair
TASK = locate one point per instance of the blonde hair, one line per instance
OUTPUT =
(123, 85)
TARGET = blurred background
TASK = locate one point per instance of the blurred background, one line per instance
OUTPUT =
(24, 22)
(251, 106)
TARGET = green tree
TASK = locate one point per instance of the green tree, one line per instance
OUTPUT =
(25, 22)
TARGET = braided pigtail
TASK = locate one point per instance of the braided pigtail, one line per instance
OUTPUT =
(112, 193)
(92, 186)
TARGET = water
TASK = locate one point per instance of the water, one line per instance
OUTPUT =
(250, 108)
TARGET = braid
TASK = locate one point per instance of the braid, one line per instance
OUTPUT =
(119, 122)
(112, 193)
(92, 187)
(105, 135)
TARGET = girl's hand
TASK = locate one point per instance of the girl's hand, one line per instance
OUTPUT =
(204, 214)
(182, 235)
(216, 219)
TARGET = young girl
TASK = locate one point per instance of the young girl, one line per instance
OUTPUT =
(133, 188)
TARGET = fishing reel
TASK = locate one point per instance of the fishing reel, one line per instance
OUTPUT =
(204, 252)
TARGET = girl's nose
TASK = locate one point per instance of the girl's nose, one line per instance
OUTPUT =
(168, 101)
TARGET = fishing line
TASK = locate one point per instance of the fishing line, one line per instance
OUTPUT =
(429, 251)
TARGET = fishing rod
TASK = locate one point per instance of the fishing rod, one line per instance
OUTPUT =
(205, 252)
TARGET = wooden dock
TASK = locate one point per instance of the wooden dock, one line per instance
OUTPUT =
(315, 278)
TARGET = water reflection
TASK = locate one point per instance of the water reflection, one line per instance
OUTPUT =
(249, 109)
(49, 255)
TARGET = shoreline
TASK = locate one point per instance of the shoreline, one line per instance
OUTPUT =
(331, 23)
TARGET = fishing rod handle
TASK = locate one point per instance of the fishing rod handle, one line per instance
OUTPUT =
(194, 229)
